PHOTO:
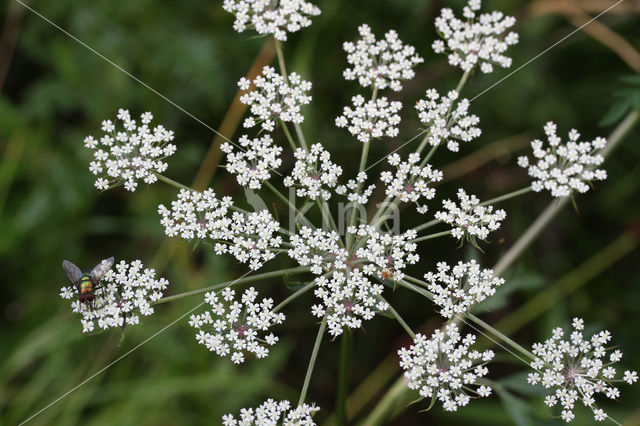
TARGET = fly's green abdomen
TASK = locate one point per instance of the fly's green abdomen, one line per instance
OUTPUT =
(86, 286)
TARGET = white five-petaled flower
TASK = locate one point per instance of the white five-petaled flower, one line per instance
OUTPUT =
(274, 98)
(445, 367)
(479, 39)
(371, 119)
(455, 290)
(562, 168)
(446, 122)
(272, 413)
(313, 173)
(380, 63)
(131, 153)
(470, 219)
(253, 165)
(249, 237)
(410, 183)
(120, 298)
(235, 327)
(269, 17)
(577, 369)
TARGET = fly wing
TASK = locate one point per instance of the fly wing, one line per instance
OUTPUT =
(73, 272)
(101, 269)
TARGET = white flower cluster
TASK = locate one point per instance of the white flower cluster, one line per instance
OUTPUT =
(386, 254)
(120, 298)
(371, 119)
(272, 413)
(313, 173)
(253, 165)
(563, 168)
(577, 369)
(410, 182)
(320, 249)
(347, 299)
(131, 153)
(443, 367)
(470, 219)
(350, 189)
(235, 327)
(274, 98)
(457, 289)
(380, 63)
(477, 39)
(446, 124)
(195, 215)
(248, 237)
(269, 17)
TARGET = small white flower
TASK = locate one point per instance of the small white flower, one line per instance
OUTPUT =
(380, 63)
(273, 98)
(120, 298)
(470, 220)
(234, 327)
(253, 165)
(444, 367)
(272, 413)
(479, 39)
(410, 183)
(563, 168)
(576, 369)
(457, 289)
(371, 119)
(446, 124)
(268, 17)
(129, 155)
(313, 173)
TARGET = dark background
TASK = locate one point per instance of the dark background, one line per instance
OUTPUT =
(54, 92)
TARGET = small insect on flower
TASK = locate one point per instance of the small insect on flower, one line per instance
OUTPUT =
(87, 282)
(387, 273)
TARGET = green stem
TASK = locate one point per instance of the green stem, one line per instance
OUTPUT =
(508, 196)
(286, 201)
(418, 290)
(312, 361)
(354, 210)
(346, 346)
(431, 236)
(172, 182)
(294, 296)
(500, 335)
(381, 411)
(257, 277)
(398, 318)
(285, 129)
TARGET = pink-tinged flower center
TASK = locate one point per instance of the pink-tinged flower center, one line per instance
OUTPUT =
(241, 330)
(348, 306)
(314, 176)
(572, 373)
(408, 188)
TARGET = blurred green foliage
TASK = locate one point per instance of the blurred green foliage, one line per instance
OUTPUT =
(56, 92)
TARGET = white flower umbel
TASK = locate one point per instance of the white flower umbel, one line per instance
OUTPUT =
(272, 413)
(321, 250)
(253, 165)
(371, 119)
(380, 63)
(269, 17)
(120, 298)
(457, 289)
(313, 173)
(410, 183)
(347, 299)
(248, 237)
(564, 167)
(130, 153)
(444, 367)
(577, 369)
(386, 254)
(251, 238)
(196, 215)
(478, 39)
(235, 327)
(470, 220)
(272, 98)
(446, 121)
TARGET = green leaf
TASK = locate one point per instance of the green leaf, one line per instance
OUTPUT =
(517, 408)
